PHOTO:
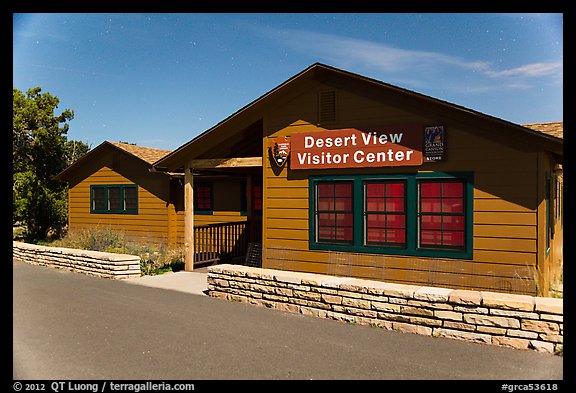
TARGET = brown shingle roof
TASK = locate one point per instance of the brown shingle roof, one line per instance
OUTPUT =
(148, 154)
(555, 129)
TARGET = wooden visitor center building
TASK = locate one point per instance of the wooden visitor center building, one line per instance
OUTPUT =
(335, 173)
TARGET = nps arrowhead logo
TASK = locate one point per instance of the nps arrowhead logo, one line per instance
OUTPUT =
(280, 150)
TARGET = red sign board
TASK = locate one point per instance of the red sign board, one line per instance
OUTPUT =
(352, 148)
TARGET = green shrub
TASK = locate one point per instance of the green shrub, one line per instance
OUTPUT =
(95, 239)
(154, 258)
(19, 232)
(559, 350)
(158, 259)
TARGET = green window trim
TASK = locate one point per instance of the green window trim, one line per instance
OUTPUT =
(411, 248)
(119, 191)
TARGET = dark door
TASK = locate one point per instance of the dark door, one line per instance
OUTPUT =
(256, 213)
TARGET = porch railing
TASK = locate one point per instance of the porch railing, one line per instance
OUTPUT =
(220, 242)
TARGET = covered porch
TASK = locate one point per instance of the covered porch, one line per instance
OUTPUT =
(237, 242)
(234, 165)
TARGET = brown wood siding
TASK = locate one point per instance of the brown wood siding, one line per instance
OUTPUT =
(505, 200)
(226, 199)
(149, 225)
(157, 221)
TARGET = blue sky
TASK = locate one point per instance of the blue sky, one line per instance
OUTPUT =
(158, 80)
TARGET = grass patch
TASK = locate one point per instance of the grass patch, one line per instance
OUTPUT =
(557, 287)
(154, 258)
(19, 232)
(559, 350)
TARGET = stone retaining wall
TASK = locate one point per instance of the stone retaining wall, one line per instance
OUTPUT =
(517, 321)
(102, 264)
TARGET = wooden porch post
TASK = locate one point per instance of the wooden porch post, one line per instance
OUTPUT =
(188, 219)
(249, 223)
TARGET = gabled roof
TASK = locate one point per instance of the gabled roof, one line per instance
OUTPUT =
(148, 155)
(253, 111)
(555, 129)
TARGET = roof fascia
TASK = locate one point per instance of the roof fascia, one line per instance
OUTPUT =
(451, 106)
(177, 158)
(64, 175)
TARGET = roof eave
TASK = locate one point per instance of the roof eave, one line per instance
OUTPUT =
(176, 159)
(63, 176)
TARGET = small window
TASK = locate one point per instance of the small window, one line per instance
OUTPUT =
(114, 198)
(120, 199)
(130, 198)
(385, 213)
(441, 215)
(334, 212)
(203, 200)
(257, 199)
(98, 198)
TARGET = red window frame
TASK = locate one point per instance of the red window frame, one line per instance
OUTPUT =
(334, 212)
(203, 197)
(385, 217)
(257, 199)
(442, 214)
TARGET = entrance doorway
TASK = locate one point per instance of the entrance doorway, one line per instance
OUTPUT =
(254, 195)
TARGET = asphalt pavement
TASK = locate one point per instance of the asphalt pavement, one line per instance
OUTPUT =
(69, 325)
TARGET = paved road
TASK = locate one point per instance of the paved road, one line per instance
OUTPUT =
(73, 326)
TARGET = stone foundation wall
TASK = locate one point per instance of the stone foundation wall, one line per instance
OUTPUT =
(517, 321)
(102, 264)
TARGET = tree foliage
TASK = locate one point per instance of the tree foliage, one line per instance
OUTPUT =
(40, 150)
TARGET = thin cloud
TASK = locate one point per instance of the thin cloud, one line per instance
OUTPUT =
(529, 70)
(350, 52)
(487, 88)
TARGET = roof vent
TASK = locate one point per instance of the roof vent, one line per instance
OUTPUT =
(326, 106)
